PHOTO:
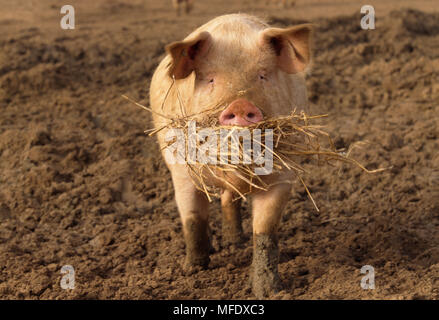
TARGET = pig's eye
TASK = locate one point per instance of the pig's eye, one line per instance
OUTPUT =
(262, 77)
(207, 81)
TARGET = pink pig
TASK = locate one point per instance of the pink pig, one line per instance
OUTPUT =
(253, 72)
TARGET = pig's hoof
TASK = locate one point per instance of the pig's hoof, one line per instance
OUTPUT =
(232, 234)
(232, 238)
(193, 264)
(265, 284)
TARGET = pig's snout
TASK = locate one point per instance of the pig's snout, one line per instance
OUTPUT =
(240, 112)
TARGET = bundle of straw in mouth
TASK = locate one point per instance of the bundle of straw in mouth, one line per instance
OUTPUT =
(296, 138)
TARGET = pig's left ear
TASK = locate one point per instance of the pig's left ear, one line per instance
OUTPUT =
(292, 46)
(186, 54)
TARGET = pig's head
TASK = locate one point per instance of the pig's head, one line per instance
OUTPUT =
(242, 69)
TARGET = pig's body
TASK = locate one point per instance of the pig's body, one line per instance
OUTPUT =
(236, 34)
(233, 59)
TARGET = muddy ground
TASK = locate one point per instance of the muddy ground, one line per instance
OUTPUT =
(82, 185)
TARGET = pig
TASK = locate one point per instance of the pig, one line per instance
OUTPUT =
(283, 3)
(188, 5)
(253, 72)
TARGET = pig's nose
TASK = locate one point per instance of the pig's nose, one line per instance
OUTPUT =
(240, 112)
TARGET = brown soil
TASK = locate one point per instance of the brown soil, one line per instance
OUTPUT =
(81, 184)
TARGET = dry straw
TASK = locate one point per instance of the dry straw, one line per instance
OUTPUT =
(296, 138)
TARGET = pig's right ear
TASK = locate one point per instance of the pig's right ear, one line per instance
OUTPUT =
(186, 54)
(292, 46)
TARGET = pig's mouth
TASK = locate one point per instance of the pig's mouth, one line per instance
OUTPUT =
(218, 143)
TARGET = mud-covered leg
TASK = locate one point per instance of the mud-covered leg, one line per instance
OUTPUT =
(193, 207)
(197, 242)
(265, 278)
(231, 218)
(267, 211)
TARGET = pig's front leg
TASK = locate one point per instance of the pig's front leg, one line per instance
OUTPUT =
(231, 218)
(193, 207)
(267, 211)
